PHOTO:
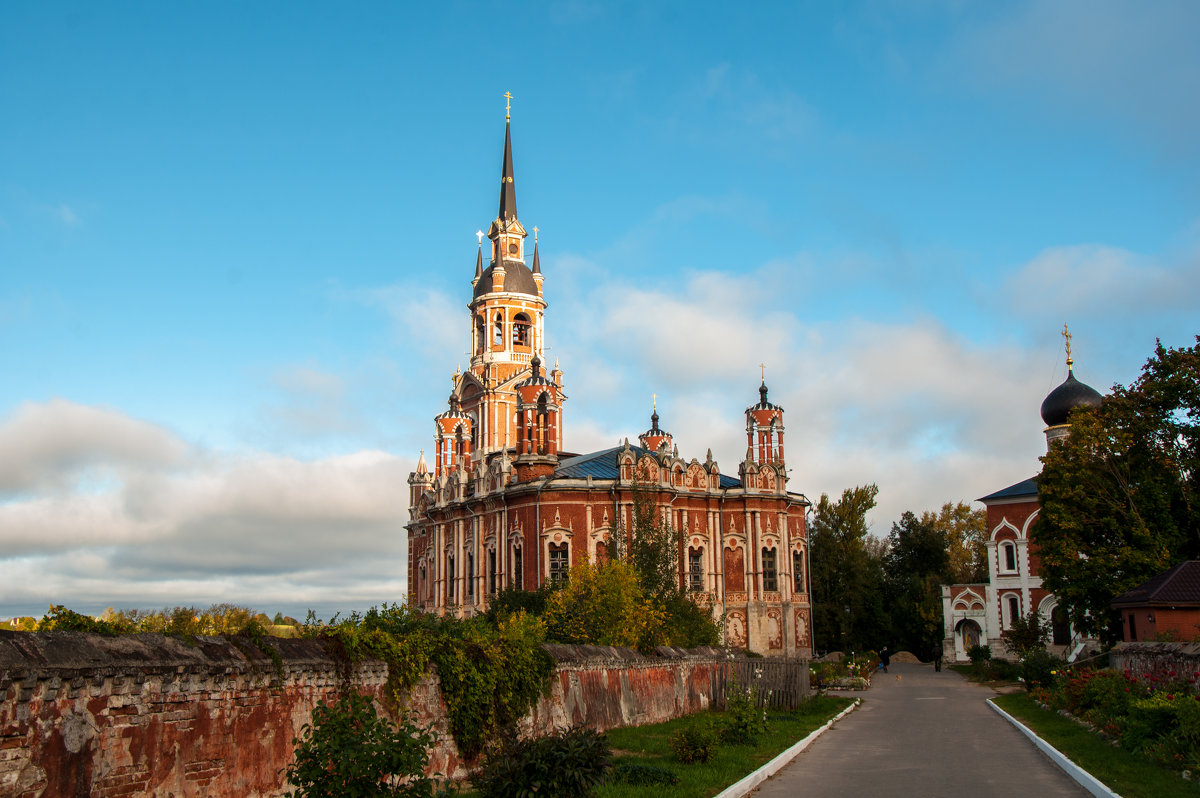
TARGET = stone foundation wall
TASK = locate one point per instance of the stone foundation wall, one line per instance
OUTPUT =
(88, 715)
(1156, 659)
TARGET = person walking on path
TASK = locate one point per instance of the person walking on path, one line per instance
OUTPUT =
(885, 657)
(937, 657)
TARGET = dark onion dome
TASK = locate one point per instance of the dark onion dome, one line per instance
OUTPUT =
(1062, 400)
(535, 374)
(517, 280)
(455, 410)
(654, 431)
(763, 404)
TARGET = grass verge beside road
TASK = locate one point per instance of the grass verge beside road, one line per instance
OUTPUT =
(1128, 774)
(650, 745)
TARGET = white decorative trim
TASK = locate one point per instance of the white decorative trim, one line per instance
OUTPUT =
(1081, 776)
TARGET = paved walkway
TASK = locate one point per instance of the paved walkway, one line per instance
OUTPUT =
(921, 733)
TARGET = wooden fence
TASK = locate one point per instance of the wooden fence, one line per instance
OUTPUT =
(781, 683)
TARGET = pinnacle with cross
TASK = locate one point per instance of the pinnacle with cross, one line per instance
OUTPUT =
(763, 366)
(507, 105)
(1066, 334)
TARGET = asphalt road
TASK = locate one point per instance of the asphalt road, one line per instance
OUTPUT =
(921, 733)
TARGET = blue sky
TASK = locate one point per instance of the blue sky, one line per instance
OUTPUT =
(236, 246)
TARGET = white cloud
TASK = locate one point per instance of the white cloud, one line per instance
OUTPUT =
(173, 524)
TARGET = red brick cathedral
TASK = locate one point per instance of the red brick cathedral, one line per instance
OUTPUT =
(505, 504)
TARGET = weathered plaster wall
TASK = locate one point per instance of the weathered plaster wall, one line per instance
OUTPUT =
(1156, 659)
(86, 715)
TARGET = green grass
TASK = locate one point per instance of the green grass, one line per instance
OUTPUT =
(1128, 774)
(650, 745)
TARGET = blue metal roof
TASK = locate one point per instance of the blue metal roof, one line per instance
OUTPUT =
(1026, 487)
(603, 465)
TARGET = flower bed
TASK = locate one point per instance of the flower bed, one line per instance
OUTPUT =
(1157, 714)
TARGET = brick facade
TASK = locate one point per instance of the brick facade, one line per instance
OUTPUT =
(504, 503)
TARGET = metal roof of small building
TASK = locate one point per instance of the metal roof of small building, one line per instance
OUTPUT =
(1026, 487)
(1178, 585)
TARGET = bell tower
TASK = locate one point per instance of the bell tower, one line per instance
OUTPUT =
(507, 322)
(764, 430)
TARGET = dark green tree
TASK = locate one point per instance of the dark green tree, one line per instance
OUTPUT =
(846, 573)
(916, 565)
(1119, 495)
(348, 750)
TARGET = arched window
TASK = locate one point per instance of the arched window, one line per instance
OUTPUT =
(520, 330)
(491, 572)
(560, 562)
(1012, 606)
(798, 572)
(450, 579)
(517, 577)
(498, 330)
(471, 575)
(696, 569)
(769, 571)
(1009, 553)
(480, 333)
(541, 434)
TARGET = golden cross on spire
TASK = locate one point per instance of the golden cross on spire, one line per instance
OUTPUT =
(1066, 334)
(507, 105)
(654, 399)
(479, 235)
(763, 366)
(535, 233)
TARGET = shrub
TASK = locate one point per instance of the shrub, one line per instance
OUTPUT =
(348, 750)
(744, 721)
(979, 655)
(569, 763)
(1038, 668)
(696, 742)
(641, 775)
(604, 605)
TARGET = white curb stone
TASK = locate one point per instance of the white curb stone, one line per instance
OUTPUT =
(743, 787)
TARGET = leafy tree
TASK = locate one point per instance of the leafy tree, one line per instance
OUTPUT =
(847, 573)
(348, 750)
(1026, 633)
(917, 564)
(1119, 495)
(965, 532)
(605, 605)
(651, 546)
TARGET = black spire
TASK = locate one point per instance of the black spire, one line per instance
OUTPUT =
(478, 264)
(508, 189)
(762, 393)
(537, 262)
(654, 421)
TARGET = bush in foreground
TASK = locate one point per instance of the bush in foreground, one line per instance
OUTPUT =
(563, 765)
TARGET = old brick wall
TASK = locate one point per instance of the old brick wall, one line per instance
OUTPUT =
(1156, 659)
(87, 715)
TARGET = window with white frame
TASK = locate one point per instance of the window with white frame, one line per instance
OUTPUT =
(1008, 557)
(559, 563)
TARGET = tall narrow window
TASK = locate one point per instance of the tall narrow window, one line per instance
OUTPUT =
(450, 579)
(542, 434)
(696, 570)
(491, 572)
(498, 332)
(480, 333)
(520, 330)
(798, 572)
(559, 563)
(770, 572)
(1010, 557)
(1014, 609)
(517, 578)
(471, 575)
